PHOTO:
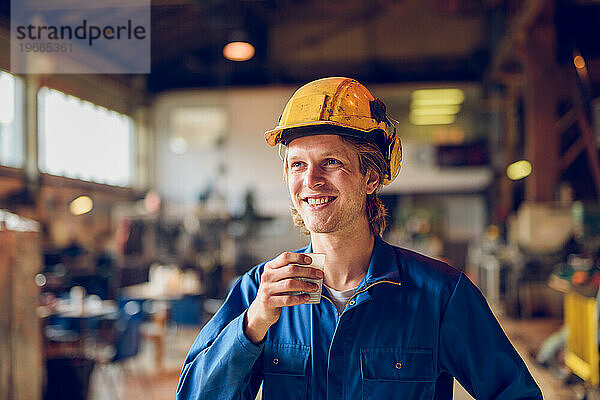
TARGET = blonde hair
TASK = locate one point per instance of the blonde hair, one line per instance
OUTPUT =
(369, 158)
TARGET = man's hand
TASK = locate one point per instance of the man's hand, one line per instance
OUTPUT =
(277, 280)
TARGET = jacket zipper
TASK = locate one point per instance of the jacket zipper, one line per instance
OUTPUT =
(340, 315)
(357, 293)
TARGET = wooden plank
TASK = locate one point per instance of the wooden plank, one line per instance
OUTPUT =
(518, 28)
(21, 368)
(542, 143)
(26, 331)
(5, 318)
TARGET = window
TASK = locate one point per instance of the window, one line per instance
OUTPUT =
(81, 140)
(11, 121)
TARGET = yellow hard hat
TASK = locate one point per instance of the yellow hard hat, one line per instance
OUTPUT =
(340, 106)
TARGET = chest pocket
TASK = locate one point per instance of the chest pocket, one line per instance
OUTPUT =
(390, 372)
(284, 369)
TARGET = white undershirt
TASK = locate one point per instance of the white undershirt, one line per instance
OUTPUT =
(340, 298)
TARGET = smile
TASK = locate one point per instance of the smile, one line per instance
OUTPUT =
(316, 201)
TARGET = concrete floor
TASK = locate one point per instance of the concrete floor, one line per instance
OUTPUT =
(141, 379)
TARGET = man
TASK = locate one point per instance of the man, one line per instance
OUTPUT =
(392, 324)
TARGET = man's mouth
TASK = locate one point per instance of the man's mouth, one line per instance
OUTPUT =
(317, 201)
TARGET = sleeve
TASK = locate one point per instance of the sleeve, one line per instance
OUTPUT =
(474, 349)
(220, 362)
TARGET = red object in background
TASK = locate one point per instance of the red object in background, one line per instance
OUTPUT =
(595, 280)
(579, 277)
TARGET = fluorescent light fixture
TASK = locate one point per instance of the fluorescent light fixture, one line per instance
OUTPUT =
(518, 170)
(416, 119)
(238, 51)
(81, 205)
(438, 110)
(438, 96)
(435, 106)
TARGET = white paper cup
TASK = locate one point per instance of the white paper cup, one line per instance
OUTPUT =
(318, 262)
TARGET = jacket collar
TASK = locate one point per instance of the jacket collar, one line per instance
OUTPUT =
(382, 267)
(383, 264)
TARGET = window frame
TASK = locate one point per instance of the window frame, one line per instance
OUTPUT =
(42, 137)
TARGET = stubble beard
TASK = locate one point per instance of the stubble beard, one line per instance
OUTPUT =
(339, 220)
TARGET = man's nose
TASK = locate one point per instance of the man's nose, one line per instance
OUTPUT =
(313, 176)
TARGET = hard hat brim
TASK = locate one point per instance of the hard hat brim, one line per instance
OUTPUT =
(376, 136)
(287, 134)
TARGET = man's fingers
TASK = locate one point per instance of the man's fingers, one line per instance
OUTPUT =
(288, 258)
(291, 285)
(294, 271)
(277, 282)
(288, 300)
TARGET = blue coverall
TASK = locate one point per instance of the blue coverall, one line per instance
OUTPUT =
(413, 324)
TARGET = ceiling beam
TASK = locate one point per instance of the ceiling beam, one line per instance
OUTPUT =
(518, 29)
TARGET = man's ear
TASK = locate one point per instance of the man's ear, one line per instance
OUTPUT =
(373, 181)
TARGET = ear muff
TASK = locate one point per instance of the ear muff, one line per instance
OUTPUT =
(394, 160)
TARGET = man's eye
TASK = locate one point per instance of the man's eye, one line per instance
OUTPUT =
(295, 164)
(332, 161)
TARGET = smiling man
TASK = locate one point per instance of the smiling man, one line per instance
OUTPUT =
(392, 324)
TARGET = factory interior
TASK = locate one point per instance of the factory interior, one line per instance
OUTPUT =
(130, 203)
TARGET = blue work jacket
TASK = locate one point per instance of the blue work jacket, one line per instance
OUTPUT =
(413, 324)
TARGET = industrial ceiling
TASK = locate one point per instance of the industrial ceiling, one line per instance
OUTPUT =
(379, 41)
